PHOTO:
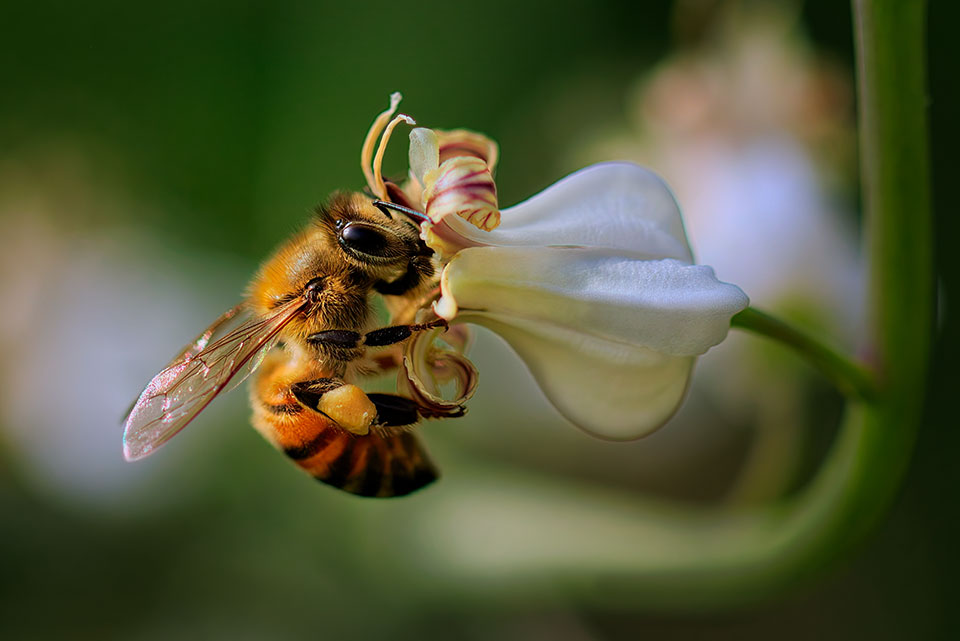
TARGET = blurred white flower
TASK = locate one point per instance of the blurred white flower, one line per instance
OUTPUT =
(84, 328)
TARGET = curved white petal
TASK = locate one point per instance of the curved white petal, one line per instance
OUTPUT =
(427, 367)
(608, 389)
(617, 205)
(663, 305)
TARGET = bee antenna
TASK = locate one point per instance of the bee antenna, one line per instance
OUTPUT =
(385, 207)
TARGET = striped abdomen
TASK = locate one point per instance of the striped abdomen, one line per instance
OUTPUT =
(371, 465)
(375, 464)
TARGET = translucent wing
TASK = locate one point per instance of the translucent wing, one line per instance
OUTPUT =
(234, 344)
(194, 347)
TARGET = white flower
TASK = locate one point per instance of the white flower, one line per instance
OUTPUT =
(591, 282)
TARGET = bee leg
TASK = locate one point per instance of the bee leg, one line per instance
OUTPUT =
(398, 333)
(377, 338)
(310, 392)
(345, 404)
(336, 338)
(394, 410)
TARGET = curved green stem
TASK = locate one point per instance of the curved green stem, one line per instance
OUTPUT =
(851, 379)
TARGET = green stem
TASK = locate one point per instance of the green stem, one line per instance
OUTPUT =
(851, 379)
(896, 189)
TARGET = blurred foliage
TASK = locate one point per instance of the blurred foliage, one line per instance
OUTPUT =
(231, 120)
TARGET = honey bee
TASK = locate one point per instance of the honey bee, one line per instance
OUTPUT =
(306, 326)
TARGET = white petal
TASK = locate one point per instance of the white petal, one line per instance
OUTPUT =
(608, 389)
(618, 205)
(663, 305)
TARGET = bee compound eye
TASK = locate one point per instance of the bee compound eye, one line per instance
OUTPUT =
(364, 239)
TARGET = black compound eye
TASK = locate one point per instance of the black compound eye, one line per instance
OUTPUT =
(364, 239)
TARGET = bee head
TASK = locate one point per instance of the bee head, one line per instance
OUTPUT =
(380, 239)
(349, 249)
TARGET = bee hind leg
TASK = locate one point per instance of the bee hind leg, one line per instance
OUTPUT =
(309, 393)
(394, 410)
(345, 404)
(330, 396)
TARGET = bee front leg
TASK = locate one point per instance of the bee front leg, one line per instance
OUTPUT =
(377, 338)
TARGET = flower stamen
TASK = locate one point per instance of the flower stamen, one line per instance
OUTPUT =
(383, 123)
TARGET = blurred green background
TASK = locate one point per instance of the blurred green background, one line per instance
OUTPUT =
(152, 154)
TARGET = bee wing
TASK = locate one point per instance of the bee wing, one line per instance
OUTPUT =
(220, 325)
(194, 347)
(234, 344)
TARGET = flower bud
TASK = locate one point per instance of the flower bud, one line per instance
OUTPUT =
(463, 186)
